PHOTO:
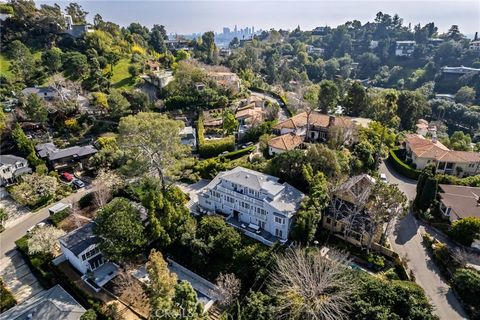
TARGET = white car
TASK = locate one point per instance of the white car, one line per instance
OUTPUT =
(383, 177)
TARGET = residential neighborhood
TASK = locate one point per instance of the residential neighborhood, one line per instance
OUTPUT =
(306, 170)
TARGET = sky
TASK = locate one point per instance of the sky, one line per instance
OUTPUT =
(185, 17)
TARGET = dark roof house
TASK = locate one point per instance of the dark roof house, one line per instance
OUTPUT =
(457, 202)
(55, 303)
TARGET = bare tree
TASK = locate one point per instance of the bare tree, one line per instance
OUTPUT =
(130, 290)
(228, 289)
(311, 286)
(44, 240)
(106, 182)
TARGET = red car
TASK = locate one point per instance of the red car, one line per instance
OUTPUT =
(68, 176)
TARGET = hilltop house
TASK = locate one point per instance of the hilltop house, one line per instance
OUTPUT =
(65, 158)
(347, 216)
(422, 152)
(54, 303)
(227, 80)
(11, 167)
(404, 48)
(319, 128)
(80, 248)
(75, 30)
(255, 203)
(424, 128)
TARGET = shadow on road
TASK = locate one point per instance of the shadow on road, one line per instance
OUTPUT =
(405, 229)
(397, 175)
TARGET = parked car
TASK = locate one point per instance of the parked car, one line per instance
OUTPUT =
(38, 225)
(383, 177)
(68, 176)
(78, 183)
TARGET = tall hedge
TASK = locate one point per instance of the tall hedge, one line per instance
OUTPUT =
(212, 148)
(401, 167)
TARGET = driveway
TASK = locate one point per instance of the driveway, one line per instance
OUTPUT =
(283, 113)
(17, 277)
(406, 240)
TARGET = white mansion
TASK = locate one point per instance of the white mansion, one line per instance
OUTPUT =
(254, 202)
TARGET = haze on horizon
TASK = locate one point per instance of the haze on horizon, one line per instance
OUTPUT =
(186, 17)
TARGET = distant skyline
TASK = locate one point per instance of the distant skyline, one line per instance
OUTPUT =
(186, 17)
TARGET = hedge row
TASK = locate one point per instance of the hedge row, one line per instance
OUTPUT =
(58, 217)
(402, 168)
(212, 148)
(239, 153)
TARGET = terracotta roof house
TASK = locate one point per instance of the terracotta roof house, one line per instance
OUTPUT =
(424, 151)
(283, 143)
(424, 128)
(319, 126)
(227, 80)
(458, 202)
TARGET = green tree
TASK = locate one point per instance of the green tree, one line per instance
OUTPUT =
(230, 124)
(328, 96)
(35, 108)
(412, 105)
(323, 159)
(186, 299)
(467, 283)
(118, 105)
(465, 95)
(75, 65)
(119, 230)
(158, 35)
(23, 64)
(161, 287)
(459, 141)
(52, 59)
(258, 306)
(369, 64)
(466, 230)
(89, 315)
(77, 13)
(356, 101)
(152, 141)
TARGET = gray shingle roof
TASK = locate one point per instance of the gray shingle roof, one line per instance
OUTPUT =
(10, 159)
(79, 239)
(53, 153)
(55, 303)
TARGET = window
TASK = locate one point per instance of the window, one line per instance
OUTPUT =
(279, 220)
(329, 221)
(90, 253)
(278, 233)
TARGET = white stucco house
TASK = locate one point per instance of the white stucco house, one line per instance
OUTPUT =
(404, 48)
(80, 248)
(255, 203)
(423, 152)
(11, 167)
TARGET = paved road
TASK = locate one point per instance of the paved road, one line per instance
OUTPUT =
(10, 235)
(406, 240)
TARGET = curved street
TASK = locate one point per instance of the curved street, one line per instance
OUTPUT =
(406, 240)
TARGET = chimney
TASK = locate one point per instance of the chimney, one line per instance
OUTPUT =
(434, 138)
(331, 121)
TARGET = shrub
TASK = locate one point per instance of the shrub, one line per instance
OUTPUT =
(212, 148)
(467, 284)
(7, 300)
(377, 261)
(239, 153)
(466, 230)
(402, 167)
(86, 200)
(58, 217)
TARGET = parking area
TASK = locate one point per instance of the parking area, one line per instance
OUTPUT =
(17, 276)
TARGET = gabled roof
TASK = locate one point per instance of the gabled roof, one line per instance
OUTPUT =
(318, 119)
(286, 142)
(79, 239)
(355, 190)
(55, 303)
(53, 153)
(426, 148)
(462, 200)
(10, 159)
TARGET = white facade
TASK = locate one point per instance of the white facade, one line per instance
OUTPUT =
(404, 48)
(254, 200)
(11, 167)
(80, 261)
(475, 45)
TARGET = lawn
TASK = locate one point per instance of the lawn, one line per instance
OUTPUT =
(5, 66)
(121, 79)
